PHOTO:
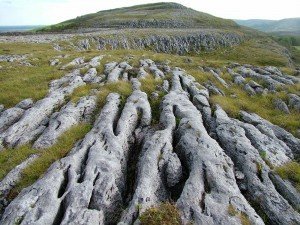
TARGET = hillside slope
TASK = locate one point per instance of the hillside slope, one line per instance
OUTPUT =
(291, 25)
(158, 15)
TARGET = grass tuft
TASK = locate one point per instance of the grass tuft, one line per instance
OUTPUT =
(165, 214)
(291, 172)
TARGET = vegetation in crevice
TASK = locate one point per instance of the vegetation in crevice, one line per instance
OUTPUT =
(291, 172)
(45, 157)
(165, 214)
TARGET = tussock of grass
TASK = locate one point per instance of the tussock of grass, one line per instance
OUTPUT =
(231, 210)
(46, 157)
(148, 86)
(82, 91)
(290, 171)
(244, 219)
(165, 214)
(10, 158)
(121, 87)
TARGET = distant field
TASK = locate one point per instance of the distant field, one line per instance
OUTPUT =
(297, 47)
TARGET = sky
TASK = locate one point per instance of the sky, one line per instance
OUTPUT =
(46, 12)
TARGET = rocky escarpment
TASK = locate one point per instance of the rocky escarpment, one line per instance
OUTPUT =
(179, 41)
(209, 164)
(174, 43)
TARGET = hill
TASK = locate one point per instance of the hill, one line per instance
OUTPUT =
(284, 26)
(158, 15)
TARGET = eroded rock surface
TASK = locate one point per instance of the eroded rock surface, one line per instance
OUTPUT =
(216, 169)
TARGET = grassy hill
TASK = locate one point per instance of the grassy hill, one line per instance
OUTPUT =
(158, 15)
(284, 26)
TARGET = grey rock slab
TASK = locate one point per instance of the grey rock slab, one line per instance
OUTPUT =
(11, 179)
(257, 185)
(166, 86)
(30, 125)
(273, 70)
(69, 115)
(281, 105)
(217, 76)
(282, 79)
(205, 198)
(286, 189)
(156, 154)
(142, 73)
(9, 117)
(275, 151)
(239, 80)
(292, 142)
(294, 101)
(87, 186)
(254, 85)
(250, 91)
(76, 62)
(158, 74)
(117, 71)
(54, 62)
(95, 62)
(91, 76)
(25, 104)
(213, 90)
(109, 67)
(1, 108)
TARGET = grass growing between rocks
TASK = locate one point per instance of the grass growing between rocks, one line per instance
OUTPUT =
(149, 85)
(165, 214)
(291, 172)
(10, 158)
(259, 104)
(18, 82)
(13, 157)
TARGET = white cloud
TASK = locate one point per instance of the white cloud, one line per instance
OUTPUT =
(24, 12)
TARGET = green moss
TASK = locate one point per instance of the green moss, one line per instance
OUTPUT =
(165, 214)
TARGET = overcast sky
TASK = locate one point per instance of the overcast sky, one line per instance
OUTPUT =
(44, 12)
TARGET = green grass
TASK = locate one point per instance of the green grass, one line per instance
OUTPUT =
(290, 171)
(10, 158)
(148, 85)
(148, 12)
(165, 214)
(259, 51)
(254, 104)
(18, 82)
